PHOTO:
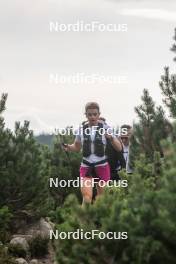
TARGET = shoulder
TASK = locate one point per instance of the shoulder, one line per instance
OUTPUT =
(107, 126)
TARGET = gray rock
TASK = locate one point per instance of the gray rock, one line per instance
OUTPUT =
(21, 261)
(45, 228)
(34, 261)
(27, 237)
(41, 227)
(21, 241)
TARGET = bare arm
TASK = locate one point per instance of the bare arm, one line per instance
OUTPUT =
(116, 143)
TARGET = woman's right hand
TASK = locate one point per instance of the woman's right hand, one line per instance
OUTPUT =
(65, 146)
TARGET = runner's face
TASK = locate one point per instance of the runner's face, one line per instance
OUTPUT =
(92, 116)
(125, 140)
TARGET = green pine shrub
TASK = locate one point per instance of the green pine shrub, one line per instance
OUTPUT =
(5, 219)
(24, 170)
(5, 258)
(145, 210)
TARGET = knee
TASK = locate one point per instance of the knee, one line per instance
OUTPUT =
(87, 196)
(87, 199)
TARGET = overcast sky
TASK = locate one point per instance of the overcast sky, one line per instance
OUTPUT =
(30, 53)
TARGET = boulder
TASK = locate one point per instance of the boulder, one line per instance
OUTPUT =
(27, 237)
(45, 228)
(21, 241)
(41, 227)
(21, 261)
(34, 261)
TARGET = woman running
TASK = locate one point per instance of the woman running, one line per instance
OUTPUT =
(92, 138)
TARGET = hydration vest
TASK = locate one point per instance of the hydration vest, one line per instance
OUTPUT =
(115, 158)
(99, 147)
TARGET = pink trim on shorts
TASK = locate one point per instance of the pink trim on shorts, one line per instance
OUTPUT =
(102, 172)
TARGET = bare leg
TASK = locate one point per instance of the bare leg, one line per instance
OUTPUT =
(87, 189)
(100, 190)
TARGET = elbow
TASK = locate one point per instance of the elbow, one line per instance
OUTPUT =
(120, 148)
(77, 149)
